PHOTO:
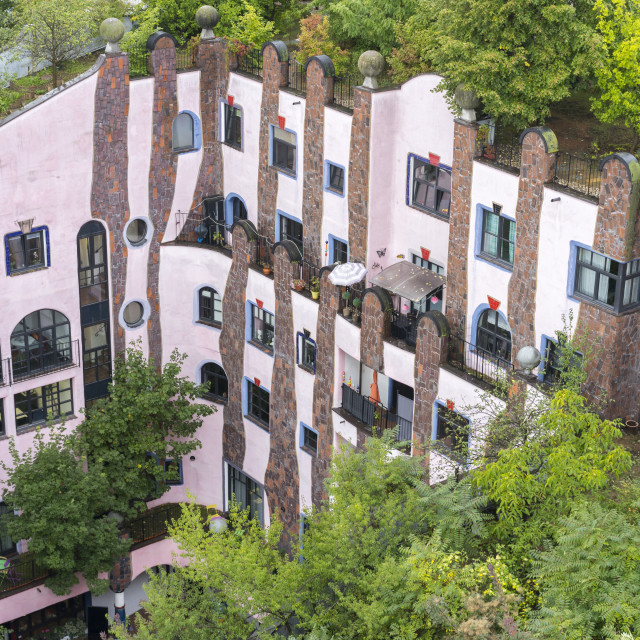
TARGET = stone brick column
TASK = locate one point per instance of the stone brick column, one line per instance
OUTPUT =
(232, 339)
(433, 329)
(162, 172)
(359, 160)
(119, 580)
(617, 235)
(375, 325)
(109, 188)
(323, 385)
(539, 146)
(320, 72)
(282, 480)
(214, 80)
(275, 74)
(464, 144)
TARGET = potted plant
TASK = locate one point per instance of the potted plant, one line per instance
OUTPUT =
(346, 296)
(357, 303)
(315, 288)
(297, 284)
(266, 268)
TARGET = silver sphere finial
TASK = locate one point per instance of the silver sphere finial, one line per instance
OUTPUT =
(371, 64)
(207, 17)
(112, 31)
(528, 358)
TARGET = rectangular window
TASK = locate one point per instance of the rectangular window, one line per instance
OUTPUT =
(431, 186)
(258, 404)
(498, 236)
(557, 362)
(262, 327)
(233, 126)
(36, 405)
(7, 545)
(173, 469)
(306, 353)
(245, 492)
(2, 427)
(92, 270)
(26, 251)
(283, 150)
(428, 303)
(597, 277)
(334, 178)
(96, 352)
(308, 439)
(452, 429)
(340, 251)
(291, 230)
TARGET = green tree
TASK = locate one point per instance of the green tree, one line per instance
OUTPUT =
(519, 56)
(315, 40)
(66, 484)
(244, 26)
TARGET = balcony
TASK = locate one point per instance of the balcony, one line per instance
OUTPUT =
(18, 573)
(476, 364)
(39, 362)
(374, 414)
(198, 228)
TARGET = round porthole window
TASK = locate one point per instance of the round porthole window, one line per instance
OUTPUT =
(133, 314)
(137, 231)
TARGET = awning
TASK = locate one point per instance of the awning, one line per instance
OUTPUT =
(409, 280)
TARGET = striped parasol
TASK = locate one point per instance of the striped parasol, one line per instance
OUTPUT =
(347, 274)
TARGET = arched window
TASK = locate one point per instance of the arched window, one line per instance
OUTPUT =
(183, 133)
(213, 374)
(40, 342)
(239, 210)
(209, 306)
(493, 336)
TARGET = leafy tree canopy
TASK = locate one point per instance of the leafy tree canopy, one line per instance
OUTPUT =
(315, 40)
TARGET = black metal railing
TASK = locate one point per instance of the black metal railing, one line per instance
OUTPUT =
(374, 414)
(40, 361)
(20, 572)
(251, 62)
(578, 174)
(343, 91)
(356, 291)
(153, 523)
(186, 58)
(499, 146)
(475, 362)
(308, 272)
(297, 77)
(262, 252)
(197, 227)
(405, 327)
(139, 62)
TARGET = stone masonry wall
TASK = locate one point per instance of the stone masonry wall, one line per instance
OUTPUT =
(464, 141)
(275, 74)
(323, 385)
(162, 176)
(358, 192)
(109, 189)
(282, 479)
(232, 338)
(537, 166)
(375, 325)
(319, 93)
(120, 574)
(214, 80)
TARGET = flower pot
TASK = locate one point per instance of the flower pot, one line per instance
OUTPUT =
(346, 312)
(315, 295)
(266, 270)
(299, 287)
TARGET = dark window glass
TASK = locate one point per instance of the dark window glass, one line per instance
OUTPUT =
(452, 429)
(291, 230)
(431, 187)
(133, 314)
(284, 150)
(245, 491)
(96, 352)
(6, 543)
(174, 469)
(262, 327)
(233, 126)
(35, 405)
(40, 342)
(213, 375)
(183, 133)
(92, 270)
(340, 251)
(26, 251)
(239, 210)
(556, 362)
(428, 303)
(137, 231)
(209, 306)
(258, 404)
(2, 427)
(309, 439)
(493, 337)
(336, 178)
(596, 276)
(498, 236)
(306, 352)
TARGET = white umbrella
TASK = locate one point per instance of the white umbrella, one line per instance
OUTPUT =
(347, 274)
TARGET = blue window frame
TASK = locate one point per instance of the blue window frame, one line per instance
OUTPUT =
(306, 350)
(232, 125)
(282, 152)
(174, 468)
(495, 237)
(260, 327)
(490, 334)
(338, 250)
(27, 251)
(308, 439)
(290, 228)
(554, 363)
(429, 186)
(186, 132)
(334, 178)
(451, 430)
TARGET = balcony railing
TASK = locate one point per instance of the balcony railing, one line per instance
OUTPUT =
(477, 363)
(251, 62)
(153, 523)
(343, 92)
(578, 174)
(499, 146)
(39, 362)
(297, 77)
(20, 572)
(405, 327)
(196, 227)
(262, 252)
(374, 414)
